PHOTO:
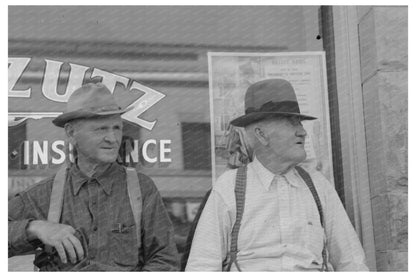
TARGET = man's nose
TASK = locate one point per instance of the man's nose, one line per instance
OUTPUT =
(110, 137)
(300, 131)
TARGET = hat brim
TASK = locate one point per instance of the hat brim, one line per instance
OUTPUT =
(247, 119)
(64, 118)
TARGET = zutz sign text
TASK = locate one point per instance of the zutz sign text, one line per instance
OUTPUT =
(49, 88)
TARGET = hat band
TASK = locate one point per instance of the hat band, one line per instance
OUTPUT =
(101, 109)
(276, 107)
(107, 108)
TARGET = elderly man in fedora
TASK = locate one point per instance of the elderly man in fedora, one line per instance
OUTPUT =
(94, 214)
(272, 214)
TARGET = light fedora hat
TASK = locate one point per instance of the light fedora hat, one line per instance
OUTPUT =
(269, 97)
(89, 101)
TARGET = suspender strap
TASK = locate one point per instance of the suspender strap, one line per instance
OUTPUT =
(57, 195)
(240, 197)
(308, 180)
(135, 197)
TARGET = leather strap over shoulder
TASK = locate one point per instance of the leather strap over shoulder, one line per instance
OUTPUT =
(135, 197)
(56, 200)
(57, 195)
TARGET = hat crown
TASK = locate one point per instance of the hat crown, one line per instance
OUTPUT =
(89, 101)
(266, 94)
(92, 97)
(267, 98)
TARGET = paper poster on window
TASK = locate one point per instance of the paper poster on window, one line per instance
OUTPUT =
(230, 74)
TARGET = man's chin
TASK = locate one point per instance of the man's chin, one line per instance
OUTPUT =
(108, 159)
(301, 158)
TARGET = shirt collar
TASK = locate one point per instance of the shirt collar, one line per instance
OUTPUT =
(105, 179)
(266, 176)
(263, 174)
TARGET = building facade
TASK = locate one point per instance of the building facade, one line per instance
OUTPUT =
(165, 49)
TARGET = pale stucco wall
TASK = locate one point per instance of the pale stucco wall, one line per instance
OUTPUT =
(383, 33)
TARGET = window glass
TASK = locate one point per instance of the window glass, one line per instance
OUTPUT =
(161, 48)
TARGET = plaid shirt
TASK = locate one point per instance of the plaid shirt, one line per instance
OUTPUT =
(98, 204)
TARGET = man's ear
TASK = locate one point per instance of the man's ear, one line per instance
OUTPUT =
(70, 132)
(261, 135)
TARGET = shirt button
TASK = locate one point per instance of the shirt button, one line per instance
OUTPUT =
(95, 228)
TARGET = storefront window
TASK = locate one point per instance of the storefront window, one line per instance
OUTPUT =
(52, 50)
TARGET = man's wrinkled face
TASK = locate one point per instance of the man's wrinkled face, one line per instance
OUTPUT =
(97, 140)
(286, 138)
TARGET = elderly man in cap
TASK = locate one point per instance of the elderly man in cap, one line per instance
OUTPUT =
(94, 214)
(272, 214)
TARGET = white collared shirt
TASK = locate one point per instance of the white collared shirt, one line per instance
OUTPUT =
(280, 228)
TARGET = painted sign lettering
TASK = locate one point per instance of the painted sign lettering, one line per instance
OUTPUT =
(139, 96)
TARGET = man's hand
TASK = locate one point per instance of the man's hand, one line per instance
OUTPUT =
(60, 236)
